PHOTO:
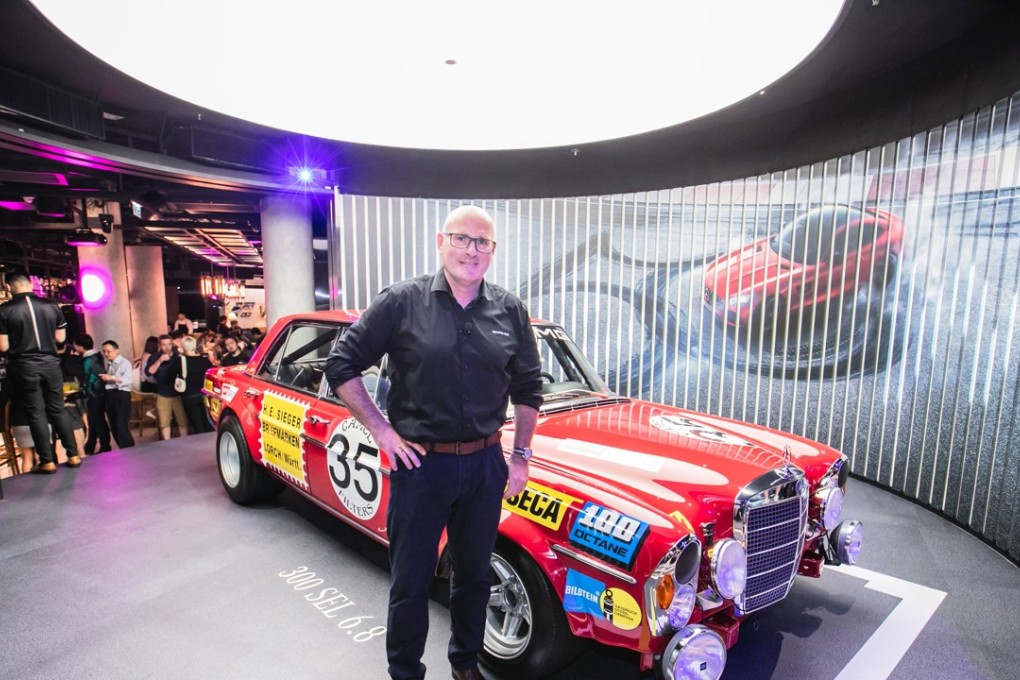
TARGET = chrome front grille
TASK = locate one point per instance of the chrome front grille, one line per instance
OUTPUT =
(769, 519)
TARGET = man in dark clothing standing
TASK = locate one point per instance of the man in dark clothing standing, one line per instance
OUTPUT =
(30, 328)
(95, 394)
(447, 468)
(236, 353)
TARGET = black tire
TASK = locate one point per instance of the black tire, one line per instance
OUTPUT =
(245, 480)
(526, 631)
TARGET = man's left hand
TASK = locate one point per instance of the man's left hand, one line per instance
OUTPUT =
(518, 476)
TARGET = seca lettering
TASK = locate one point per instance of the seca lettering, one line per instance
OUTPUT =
(538, 505)
(611, 523)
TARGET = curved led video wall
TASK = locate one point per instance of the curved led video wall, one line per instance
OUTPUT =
(869, 301)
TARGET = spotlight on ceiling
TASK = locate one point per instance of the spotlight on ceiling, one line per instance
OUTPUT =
(307, 175)
(84, 238)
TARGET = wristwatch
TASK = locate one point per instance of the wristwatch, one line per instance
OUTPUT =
(524, 453)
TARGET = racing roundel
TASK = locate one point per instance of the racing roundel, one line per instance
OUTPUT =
(352, 457)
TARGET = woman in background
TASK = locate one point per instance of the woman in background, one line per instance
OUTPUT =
(146, 382)
(197, 365)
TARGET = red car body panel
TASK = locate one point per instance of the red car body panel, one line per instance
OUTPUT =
(674, 471)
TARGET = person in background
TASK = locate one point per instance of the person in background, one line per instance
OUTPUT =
(168, 402)
(146, 382)
(192, 399)
(235, 352)
(182, 324)
(30, 328)
(95, 394)
(221, 326)
(117, 378)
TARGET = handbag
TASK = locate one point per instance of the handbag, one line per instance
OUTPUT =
(181, 381)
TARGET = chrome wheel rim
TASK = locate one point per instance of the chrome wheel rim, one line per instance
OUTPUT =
(230, 460)
(508, 617)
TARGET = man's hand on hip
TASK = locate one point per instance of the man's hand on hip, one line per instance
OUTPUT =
(397, 447)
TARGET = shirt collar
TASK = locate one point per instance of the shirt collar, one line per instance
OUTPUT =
(439, 283)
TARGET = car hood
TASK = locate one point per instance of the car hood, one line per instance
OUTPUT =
(755, 267)
(652, 460)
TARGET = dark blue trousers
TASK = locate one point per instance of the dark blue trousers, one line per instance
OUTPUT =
(464, 495)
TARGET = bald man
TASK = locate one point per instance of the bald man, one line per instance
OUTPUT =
(453, 330)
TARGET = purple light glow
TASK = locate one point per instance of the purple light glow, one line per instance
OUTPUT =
(95, 286)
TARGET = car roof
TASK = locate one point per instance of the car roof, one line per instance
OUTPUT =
(352, 315)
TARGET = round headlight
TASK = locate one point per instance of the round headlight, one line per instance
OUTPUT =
(682, 607)
(694, 653)
(847, 539)
(830, 506)
(729, 568)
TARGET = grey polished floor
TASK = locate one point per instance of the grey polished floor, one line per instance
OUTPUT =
(138, 566)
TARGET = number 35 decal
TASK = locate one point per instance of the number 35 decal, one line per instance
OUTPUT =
(353, 460)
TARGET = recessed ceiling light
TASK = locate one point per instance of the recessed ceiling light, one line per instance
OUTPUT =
(529, 73)
(111, 116)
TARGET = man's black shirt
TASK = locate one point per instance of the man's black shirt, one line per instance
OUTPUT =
(451, 369)
(165, 374)
(242, 357)
(30, 324)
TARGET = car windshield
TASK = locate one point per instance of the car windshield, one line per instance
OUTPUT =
(566, 374)
(808, 238)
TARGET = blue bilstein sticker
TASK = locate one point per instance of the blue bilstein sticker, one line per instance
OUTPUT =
(582, 594)
(607, 534)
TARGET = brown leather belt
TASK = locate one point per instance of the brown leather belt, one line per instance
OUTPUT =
(464, 448)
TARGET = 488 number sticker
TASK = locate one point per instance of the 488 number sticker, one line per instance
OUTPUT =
(353, 460)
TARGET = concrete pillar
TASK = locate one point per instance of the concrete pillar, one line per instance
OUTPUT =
(111, 321)
(146, 294)
(287, 255)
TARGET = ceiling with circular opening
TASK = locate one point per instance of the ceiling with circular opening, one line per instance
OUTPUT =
(454, 75)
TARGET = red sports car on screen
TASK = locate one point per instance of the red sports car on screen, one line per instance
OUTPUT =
(818, 257)
(643, 526)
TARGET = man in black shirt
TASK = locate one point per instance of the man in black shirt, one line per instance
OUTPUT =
(236, 353)
(458, 349)
(30, 328)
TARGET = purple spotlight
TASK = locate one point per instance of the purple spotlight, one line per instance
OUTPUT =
(95, 286)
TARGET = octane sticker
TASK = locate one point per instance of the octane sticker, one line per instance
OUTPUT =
(280, 422)
(587, 595)
(540, 504)
(688, 428)
(353, 460)
(228, 392)
(608, 534)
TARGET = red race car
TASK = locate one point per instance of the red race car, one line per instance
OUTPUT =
(643, 526)
(814, 259)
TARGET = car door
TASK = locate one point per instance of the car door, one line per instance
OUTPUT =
(347, 471)
(281, 394)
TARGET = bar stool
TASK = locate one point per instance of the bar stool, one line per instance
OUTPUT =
(8, 451)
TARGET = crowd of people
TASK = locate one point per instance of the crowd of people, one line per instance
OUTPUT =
(71, 392)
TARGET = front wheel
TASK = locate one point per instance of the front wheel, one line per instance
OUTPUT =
(526, 631)
(245, 480)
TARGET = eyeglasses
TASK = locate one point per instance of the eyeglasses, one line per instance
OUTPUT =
(462, 241)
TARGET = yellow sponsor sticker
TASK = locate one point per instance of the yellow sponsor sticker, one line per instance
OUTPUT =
(540, 504)
(280, 423)
(620, 608)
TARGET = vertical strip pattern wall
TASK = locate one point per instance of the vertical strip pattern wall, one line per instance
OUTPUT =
(868, 301)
